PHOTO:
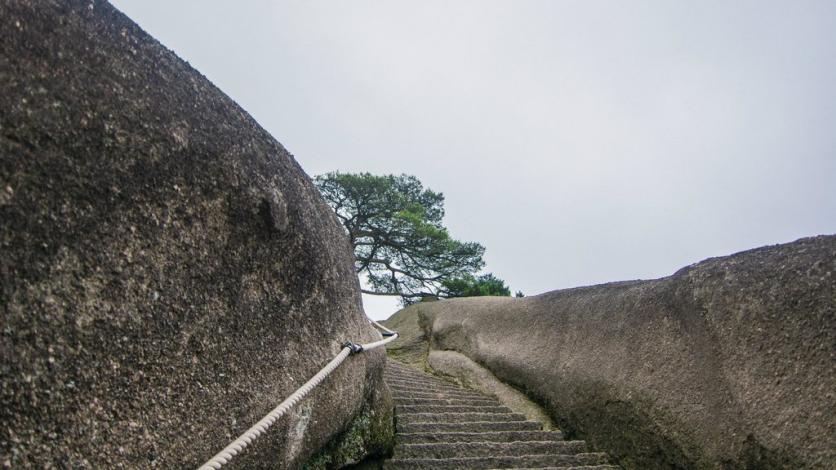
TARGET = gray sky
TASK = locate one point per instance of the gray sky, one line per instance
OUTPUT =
(580, 141)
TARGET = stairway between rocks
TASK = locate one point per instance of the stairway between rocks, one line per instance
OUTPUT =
(444, 426)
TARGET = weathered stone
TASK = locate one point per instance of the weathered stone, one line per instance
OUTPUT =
(432, 434)
(472, 375)
(169, 273)
(372, 433)
(412, 344)
(728, 363)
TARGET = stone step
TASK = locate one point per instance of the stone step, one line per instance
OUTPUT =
(419, 384)
(445, 450)
(484, 401)
(475, 426)
(405, 373)
(419, 377)
(478, 463)
(423, 380)
(396, 366)
(442, 425)
(436, 395)
(486, 436)
(458, 417)
(573, 467)
(423, 388)
(413, 375)
(408, 373)
(458, 399)
(452, 409)
(423, 383)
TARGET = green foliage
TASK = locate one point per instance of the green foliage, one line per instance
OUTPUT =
(469, 286)
(519, 294)
(394, 225)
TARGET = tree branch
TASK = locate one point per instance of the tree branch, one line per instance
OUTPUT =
(398, 294)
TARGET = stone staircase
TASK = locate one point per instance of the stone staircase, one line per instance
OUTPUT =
(443, 426)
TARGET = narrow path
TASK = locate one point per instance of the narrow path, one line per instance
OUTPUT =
(443, 426)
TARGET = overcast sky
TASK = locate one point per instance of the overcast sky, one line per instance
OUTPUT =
(580, 141)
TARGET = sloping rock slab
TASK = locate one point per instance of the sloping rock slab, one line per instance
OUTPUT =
(472, 375)
(728, 363)
(168, 273)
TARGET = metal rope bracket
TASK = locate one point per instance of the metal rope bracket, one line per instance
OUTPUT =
(353, 347)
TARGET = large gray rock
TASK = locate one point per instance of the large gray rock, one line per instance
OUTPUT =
(168, 271)
(729, 363)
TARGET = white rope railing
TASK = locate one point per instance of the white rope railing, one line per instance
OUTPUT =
(235, 447)
(385, 330)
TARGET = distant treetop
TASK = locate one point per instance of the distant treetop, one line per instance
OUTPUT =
(400, 244)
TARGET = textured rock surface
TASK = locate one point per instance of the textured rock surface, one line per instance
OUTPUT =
(168, 272)
(470, 374)
(372, 433)
(412, 345)
(728, 363)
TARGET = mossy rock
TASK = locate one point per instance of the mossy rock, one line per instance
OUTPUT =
(370, 435)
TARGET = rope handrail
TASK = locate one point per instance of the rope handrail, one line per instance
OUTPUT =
(235, 447)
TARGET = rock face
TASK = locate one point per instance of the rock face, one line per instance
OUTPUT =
(470, 374)
(169, 273)
(728, 363)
